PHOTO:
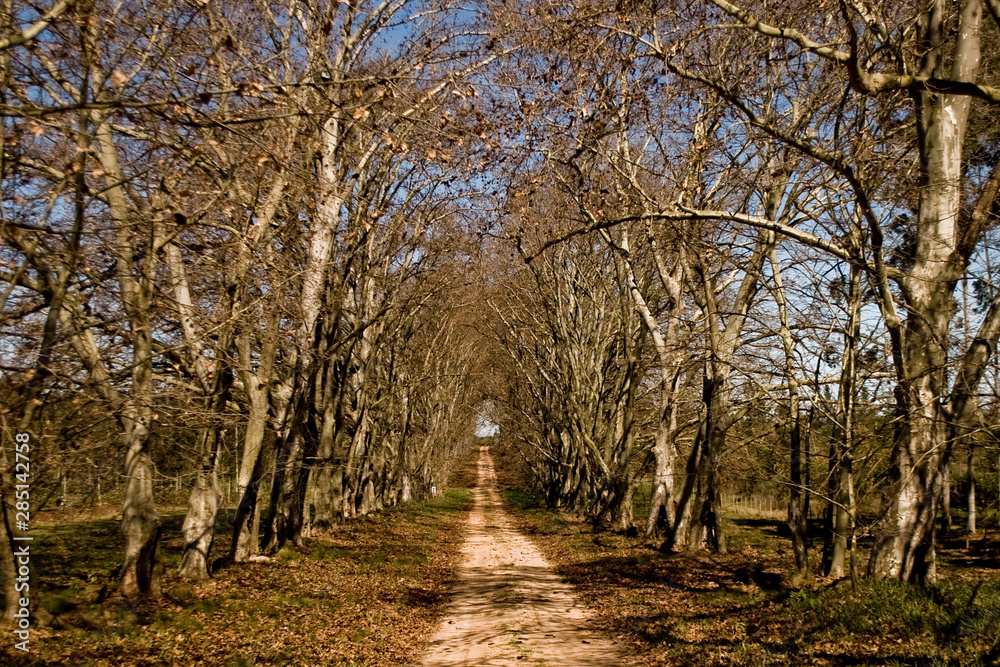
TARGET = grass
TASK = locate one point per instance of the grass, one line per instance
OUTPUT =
(742, 608)
(521, 499)
(950, 608)
(366, 595)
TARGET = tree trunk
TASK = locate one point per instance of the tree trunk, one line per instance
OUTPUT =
(247, 523)
(722, 341)
(970, 525)
(946, 501)
(840, 515)
(704, 527)
(257, 448)
(251, 474)
(256, 429)
(796, 511)
(662, 511)
(287, 504)
(622, 517)
(406, 491)
(140, 523)
(328, 409)
(677, 536)
(322, 472)
(904, 547)
(835, 557)
(661, 503)
(203, 506)
(796, 514)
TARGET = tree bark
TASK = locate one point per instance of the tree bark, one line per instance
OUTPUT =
(246, 525)
(796, 514)
(970, 525)
(140, 573)
(203, 505)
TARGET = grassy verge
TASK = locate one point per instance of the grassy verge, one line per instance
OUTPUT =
(741, 609)
(367, 595)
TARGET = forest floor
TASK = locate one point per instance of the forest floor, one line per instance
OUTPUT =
(742, 609)
(382, 589)
(364, 596)
(508, 607)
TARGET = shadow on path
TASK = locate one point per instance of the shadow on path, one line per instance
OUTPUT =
(508, 605)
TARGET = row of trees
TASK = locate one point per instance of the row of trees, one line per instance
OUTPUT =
(237, 219)
(797, 201)
(257, 219)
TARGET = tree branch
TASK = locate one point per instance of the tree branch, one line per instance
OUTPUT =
(27, 35)
(861, 79)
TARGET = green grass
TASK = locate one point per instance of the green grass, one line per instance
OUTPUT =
(949, 608)
(521, 499)
(452, 500)
(544, 520)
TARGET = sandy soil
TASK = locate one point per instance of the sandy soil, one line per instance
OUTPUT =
(508, 606)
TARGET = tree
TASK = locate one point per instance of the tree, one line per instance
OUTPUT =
(880, 67)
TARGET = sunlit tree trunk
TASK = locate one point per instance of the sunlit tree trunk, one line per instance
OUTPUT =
(905, 548)
(140, 522)
(970, 525)
(796, 490)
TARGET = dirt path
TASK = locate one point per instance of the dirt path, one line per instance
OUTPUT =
(509, 607)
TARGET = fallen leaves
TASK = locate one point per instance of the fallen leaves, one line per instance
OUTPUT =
(369, 593)
(735, 609)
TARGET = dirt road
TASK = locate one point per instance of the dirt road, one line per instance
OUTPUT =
(508, 606)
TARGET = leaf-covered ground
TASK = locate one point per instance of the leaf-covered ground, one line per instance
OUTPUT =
(370, 594)
(741, 609)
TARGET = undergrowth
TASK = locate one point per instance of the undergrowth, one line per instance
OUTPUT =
(743, 608)
(365, 595)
